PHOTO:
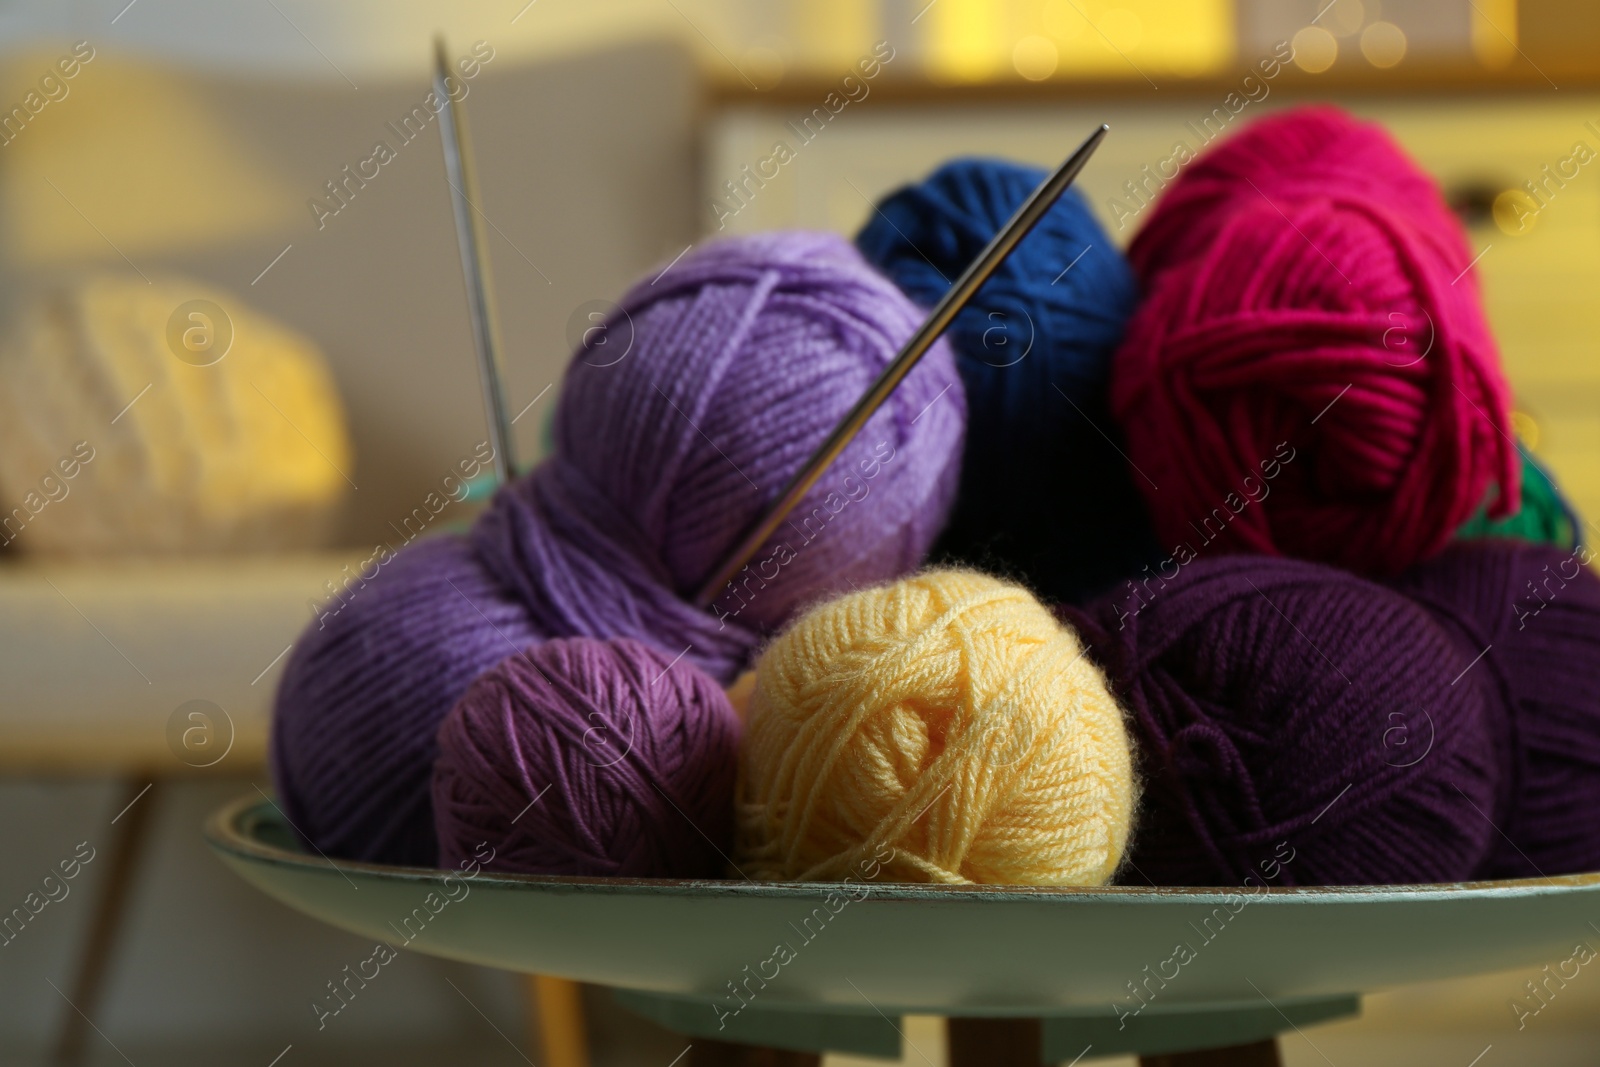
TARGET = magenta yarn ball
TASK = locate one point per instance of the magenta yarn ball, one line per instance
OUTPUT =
(589, 757)
(1311, 373)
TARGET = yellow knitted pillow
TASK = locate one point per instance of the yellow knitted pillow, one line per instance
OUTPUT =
(177, 420)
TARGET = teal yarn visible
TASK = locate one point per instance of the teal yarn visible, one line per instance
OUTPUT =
(1545, 517)
(481, 488)
(1046, 496)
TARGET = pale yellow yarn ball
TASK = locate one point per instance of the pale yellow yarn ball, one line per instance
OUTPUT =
(948, 719)
(162, 416)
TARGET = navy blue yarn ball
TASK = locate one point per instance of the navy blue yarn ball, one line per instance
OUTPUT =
(1046, 495)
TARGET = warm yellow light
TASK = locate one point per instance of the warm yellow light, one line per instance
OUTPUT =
(1064, 20)
(964, 39)
(1134, 38)
(1121, 30)
(1515, 212)
(1343, 17)
(1315, 49)
(1527, 429)
(136, 162)
(833, 34)
(1494, 31)
(1384, 44)
(1035, 58)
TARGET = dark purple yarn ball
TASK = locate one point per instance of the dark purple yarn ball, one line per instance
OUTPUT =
(589, 757)
(1263, 696)
(1533, 613)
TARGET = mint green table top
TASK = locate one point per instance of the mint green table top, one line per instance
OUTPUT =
(1110, 953)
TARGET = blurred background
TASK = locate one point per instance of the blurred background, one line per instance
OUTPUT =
(228, 154)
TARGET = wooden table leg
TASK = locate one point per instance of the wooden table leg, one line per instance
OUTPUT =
(981, 1042)
(128, 831)
(558, 1018)
(1259, 1054)
(707, 1053)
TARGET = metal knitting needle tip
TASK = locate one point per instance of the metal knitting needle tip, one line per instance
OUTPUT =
(938, 319)
(473, 244)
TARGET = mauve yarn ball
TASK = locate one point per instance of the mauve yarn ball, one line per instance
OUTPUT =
(1528, 618)
(1262, 696)
(1034, 351)
(1328, 330)
(719, 377)
(589, 757)
(1313, 152)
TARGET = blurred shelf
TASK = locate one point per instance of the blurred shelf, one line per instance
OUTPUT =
(809, 88)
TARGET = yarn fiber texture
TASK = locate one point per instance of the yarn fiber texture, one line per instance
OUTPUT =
(1532, 612)
(1034, 350)
(588, 757)
(745, 356)
(218, 432)
(1338, 328)
(735, 365)
(1265, 698)
(358, 710)
(946, 718)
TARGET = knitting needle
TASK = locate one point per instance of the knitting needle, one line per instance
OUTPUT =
(473, 242)
(938, 319)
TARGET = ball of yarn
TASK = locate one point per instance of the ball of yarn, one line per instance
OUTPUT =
(1545, 517)
(161, 416)
(588, 757)
(745, 356)
(357, 713)
(947, 719)
(1528, 618)
(1311, 384)
(734, 365)
(1034, 351)
(1315, 152)
(1264, 697)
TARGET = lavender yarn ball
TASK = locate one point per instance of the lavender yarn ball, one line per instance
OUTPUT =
(745, 356)
(587, 757)
(736, 363)
(1264, 695)
(1529, 615)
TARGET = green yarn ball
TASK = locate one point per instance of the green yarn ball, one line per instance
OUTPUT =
(1544, 518)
